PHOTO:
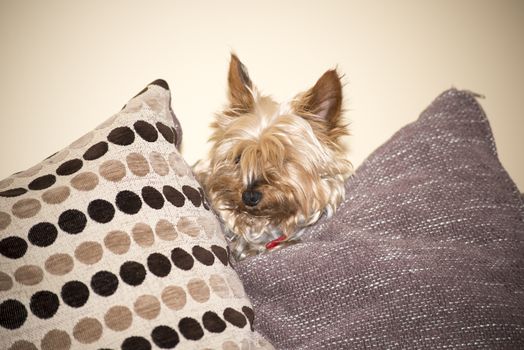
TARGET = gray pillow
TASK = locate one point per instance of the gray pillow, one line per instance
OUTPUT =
(426, 252)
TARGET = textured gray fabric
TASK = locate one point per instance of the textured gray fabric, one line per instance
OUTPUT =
(425, 253)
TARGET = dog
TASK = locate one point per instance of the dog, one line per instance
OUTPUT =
(275, 168)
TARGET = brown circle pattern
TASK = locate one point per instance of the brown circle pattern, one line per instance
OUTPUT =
(88, 330)
(59, 264)
(235, 285)
(86, 181)
(137, 164)
(118, 318)
(89, 253)
(56, 340)
(188, 227)
(209, 225)
(23, 345)
(112, 170)
(198, 290)
(219, 286)
(174, 297)
(158, 163)
(229, 345)
(6, 282)
(26, 208)
(56, 195)
(29, 275)
(30, 172)
(165, 230)
(82, 141)
(5, 220)
(57, 157)
(147, 307)
(143, 235)
(178, 165)
(117, 242)
(108, 122)
(6, 182)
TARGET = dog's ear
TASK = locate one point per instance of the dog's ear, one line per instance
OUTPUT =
(323, 101)
(240, 86)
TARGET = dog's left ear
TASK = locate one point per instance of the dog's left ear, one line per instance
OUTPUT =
(323, 101)
(240, 86)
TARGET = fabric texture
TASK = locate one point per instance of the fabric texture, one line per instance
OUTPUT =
(110, 244)
(426, 252)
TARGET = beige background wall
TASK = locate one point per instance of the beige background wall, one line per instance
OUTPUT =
(67, 65)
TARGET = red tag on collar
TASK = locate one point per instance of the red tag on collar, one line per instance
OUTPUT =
(272, 244)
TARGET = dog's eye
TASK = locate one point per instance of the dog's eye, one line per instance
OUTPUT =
(237, 160)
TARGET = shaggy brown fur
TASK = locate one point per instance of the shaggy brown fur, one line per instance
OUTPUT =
(291, 154)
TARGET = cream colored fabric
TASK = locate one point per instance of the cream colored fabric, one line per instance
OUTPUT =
(109, 244)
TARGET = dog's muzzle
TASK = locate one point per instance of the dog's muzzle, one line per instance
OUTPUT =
(251, 198)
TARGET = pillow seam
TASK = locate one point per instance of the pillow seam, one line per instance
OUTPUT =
(507, 178)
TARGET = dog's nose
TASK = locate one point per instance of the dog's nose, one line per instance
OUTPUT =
(251, 198)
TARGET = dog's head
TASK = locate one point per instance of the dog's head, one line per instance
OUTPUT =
(276, 165)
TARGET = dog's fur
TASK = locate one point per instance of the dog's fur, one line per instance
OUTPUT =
(291, 153)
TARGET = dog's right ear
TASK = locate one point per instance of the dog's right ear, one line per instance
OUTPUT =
(240, 86)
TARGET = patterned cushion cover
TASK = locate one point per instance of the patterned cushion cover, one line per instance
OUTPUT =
(109, 243)
(427, 251)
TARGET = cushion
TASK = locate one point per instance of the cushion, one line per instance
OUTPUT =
(426, 252)
(109, 244)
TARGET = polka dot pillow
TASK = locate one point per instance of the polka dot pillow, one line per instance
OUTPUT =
(110, 244)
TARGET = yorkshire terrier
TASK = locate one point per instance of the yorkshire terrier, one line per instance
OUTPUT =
(275, 168)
